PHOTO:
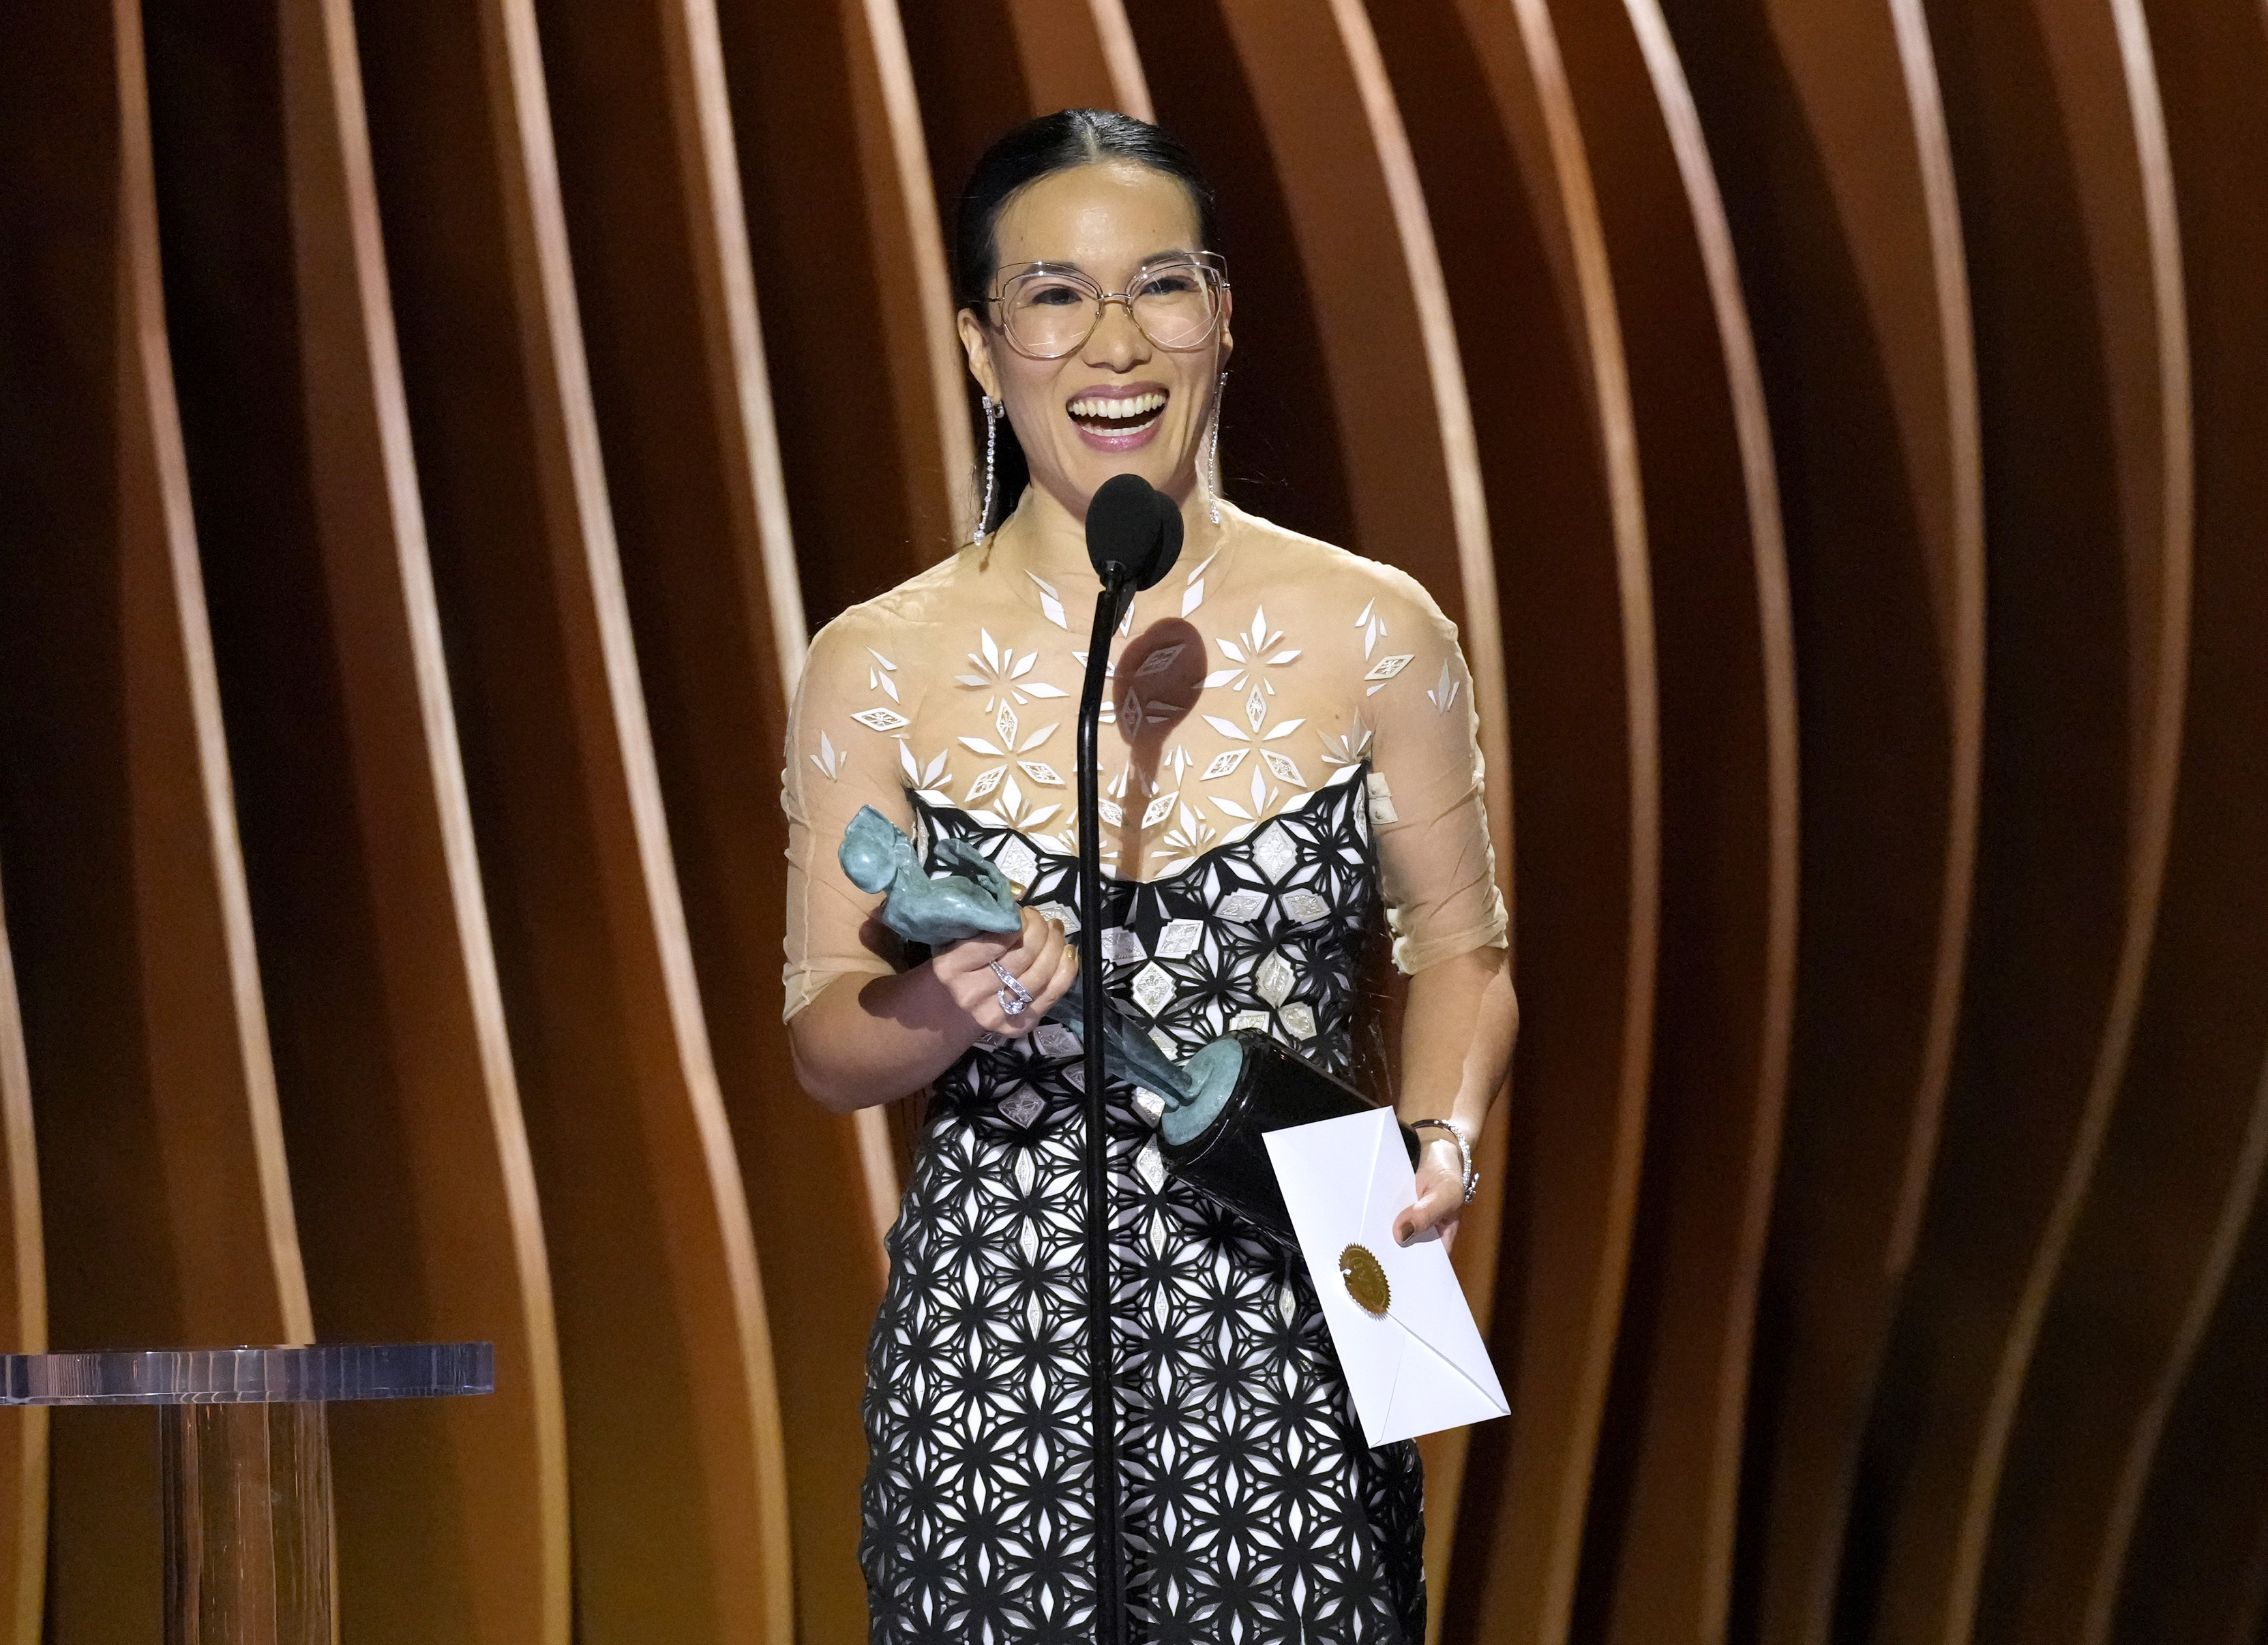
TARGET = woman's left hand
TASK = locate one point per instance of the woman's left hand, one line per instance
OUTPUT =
(1440, 1193)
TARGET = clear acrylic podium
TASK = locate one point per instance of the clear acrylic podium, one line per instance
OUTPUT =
(246, 1464)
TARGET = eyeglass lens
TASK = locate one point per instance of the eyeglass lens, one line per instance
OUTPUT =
(1050, 312)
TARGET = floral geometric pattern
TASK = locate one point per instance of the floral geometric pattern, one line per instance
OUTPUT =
(1255, 1513)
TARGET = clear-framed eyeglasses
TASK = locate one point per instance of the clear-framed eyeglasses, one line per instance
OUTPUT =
(1048, 310)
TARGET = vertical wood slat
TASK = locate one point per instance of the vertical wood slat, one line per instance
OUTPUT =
(1583, 1197)
(973, 81)
(197, 878)
(982, 67)
(672, 1434)
(1659, 1548)
(920, 323)
(23, 1330)
(1486, 105)
(2181, 1169)
(653, 207)
(133, 932)
(2185, 1555)
(1827, 139)
(416, 1202)
(168, 1212)
(2196, 1559)
(2058, 152)
(843, 234)
(667, 297)
(1075, 54)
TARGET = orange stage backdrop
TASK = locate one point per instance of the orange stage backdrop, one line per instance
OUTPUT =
(430, 428)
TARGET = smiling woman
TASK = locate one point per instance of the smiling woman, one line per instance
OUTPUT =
(1293, 775)
(1055, 211)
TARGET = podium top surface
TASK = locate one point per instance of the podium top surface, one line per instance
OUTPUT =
(248, 1376)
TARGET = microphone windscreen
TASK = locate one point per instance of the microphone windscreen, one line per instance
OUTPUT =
(1167, 548)
(1121, 524)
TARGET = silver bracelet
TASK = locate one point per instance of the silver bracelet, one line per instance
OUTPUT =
(1464, 1151)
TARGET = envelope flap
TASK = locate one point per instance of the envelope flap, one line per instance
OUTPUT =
(1448, 1387)
(1391, 1184)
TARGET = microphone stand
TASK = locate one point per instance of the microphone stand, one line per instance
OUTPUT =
(1109, 1530)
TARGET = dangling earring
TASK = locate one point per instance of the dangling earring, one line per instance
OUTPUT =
(991, 441)
(1214, 453)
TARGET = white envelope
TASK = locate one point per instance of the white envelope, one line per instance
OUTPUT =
(1421, 1366)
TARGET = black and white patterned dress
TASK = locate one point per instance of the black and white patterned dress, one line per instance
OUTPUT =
(1290, 754)
(1254, 1511)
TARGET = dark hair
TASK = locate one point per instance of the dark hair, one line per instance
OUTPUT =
(1036, 149)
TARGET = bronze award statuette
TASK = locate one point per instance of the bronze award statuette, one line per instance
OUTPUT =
(1219, 1105)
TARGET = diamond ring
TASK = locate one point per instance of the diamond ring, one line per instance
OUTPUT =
(1014, 995)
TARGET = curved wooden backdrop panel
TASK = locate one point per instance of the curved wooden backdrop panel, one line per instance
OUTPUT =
(2082, 357)
(843, 235)
(2196, 1561)
(983, 66)
(2158, 1219)
(128, 861)
(131, 929)
(673, 1435)
(1824, 125)
(842, 232)
(1069, 47)
(1494, 328)
(416, 1205)
(653, 194)
(2182, 1547)
(24, 1321)
(1508, 187)
(1659, 1545)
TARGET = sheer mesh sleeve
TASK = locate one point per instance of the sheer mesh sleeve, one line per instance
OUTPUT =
(840, 754)
(1266, 667)
(1426, 789)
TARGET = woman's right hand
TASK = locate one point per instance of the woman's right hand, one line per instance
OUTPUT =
(1040, 957)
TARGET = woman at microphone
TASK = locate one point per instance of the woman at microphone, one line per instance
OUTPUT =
(1290, 768)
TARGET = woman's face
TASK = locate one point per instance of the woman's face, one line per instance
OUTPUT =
(1118, 404)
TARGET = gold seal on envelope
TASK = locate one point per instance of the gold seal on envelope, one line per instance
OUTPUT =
(1365, 1279)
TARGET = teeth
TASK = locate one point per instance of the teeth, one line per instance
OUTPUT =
(1120, 410)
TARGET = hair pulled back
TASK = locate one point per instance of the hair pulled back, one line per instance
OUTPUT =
(1036, 149)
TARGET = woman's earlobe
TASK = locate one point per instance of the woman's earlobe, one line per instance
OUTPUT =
(977, 347)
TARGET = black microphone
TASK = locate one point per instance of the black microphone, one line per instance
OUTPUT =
(1133, 535)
